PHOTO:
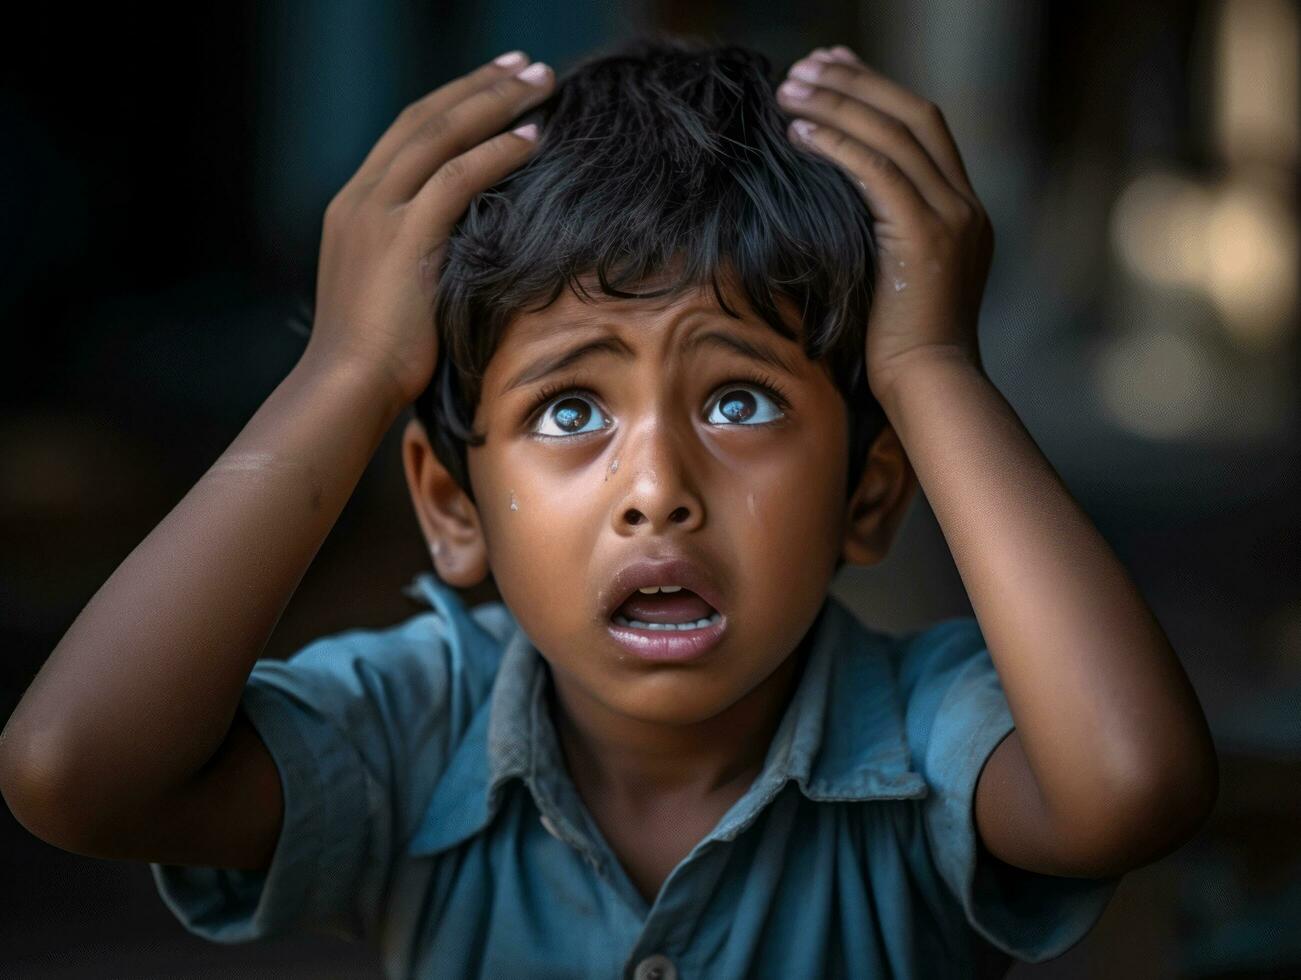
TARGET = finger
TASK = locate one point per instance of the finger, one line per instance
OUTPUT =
(848, 73)
(891, 196)
(879, 130)
(439, 100)
(922, 116)
(459, 128)
(447, 192)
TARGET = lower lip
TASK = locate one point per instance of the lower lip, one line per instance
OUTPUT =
(668, 646)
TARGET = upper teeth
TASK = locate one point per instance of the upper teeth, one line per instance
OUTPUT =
(652, 589)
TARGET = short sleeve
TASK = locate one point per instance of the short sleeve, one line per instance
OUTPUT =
(350, 721)
(956, 714)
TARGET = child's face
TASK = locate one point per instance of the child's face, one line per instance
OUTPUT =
(750, 487)
(759, 503)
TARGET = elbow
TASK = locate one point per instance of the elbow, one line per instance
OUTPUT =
(1159, 806)
(34, 801)
(37, 796)
(1181, 799)
(1143, 826)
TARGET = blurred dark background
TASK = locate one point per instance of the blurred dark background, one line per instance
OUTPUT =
(164, 173)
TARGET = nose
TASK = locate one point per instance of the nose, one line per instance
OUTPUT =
(660, 495)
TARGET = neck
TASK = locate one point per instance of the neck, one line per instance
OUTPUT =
(632, 762)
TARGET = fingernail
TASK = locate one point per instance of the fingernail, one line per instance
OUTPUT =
(842, 52)
(509, 59)
(803, 128)
(529, 131)
(534, 74)
(806, 69)
(796, 90)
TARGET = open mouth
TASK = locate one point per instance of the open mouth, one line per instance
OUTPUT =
(666, 609)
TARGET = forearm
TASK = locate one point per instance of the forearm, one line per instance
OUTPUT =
(142, 688)
(1100, 700)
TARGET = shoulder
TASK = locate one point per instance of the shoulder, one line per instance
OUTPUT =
(954, 708)
(931, 655)
(920, 659)
(361, 725)
(393, 701)
(448, 655)
(946, 682)
(956, 714)
(908, 676)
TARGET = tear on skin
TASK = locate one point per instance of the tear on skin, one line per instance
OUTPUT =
(514, 504)
(749, 502)
(613, 467)
(899, 284)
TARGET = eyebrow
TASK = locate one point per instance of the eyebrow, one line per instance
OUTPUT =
(550, 364)
(756, 352)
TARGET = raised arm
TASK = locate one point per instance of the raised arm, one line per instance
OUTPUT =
(1111, 764)
(123, 746)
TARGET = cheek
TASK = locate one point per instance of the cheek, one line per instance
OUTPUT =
(534, 519)
(787, 522)
(796, 497)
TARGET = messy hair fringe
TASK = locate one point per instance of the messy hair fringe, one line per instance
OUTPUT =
(662, 159)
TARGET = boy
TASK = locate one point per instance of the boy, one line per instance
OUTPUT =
(667, 751)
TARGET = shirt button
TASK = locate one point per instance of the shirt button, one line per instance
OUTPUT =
(657, 967)
(551, 828)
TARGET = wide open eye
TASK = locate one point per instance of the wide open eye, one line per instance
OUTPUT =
(743, 405)
(571, 415)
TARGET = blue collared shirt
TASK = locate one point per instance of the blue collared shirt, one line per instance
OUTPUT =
(428, 810)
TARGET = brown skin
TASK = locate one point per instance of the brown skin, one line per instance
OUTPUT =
(129, 742)
(760, 502)
(1111, 764)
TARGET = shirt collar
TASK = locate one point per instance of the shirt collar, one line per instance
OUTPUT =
(841, 738)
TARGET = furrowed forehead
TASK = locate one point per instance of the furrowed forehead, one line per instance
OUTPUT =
(591, 307)
(569, 332)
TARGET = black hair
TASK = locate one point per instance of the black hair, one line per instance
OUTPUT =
(661, 156)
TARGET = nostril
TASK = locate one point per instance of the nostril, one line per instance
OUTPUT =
(679, 515)
(632, 517)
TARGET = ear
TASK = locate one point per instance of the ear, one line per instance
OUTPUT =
(448, 518)
(880, 502)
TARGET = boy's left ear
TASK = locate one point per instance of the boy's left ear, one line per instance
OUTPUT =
(880, 501)
(448, 518)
